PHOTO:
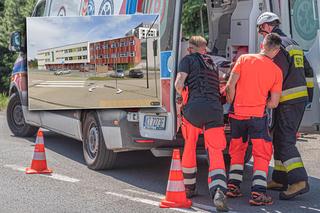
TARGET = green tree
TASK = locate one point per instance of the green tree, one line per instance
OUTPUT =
(12, 18)
(191, 18)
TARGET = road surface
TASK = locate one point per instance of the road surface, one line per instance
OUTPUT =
(137, 184)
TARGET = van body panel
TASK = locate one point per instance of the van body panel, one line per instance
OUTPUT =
(123, 136)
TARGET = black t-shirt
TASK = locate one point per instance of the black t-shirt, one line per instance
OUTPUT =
(199, 110)
(190, 65)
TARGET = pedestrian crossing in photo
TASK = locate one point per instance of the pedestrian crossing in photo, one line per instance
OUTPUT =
(61, 84)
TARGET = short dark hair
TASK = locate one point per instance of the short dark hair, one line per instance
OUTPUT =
(272, 41)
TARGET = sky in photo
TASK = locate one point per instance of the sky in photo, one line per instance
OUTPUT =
(49, 32)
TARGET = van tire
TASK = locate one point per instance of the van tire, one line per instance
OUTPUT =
(95, 152)
(15, 118)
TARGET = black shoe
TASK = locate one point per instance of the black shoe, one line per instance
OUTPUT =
(260, 199)
(295, 190)
(191, 193)
(220, 201)
(233, 191)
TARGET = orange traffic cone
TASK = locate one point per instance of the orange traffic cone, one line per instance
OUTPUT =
(39, 162)
(176, 193)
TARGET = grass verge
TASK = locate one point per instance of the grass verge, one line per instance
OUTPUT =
(3, 101)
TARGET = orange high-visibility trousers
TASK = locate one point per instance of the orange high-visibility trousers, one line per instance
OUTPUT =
(215, 143)
(256, 130)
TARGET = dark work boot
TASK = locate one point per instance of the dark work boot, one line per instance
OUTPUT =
(191, 192)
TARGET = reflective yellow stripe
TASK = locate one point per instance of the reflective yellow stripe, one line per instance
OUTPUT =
(295, 52)
(310, 84)
(294, 96)
(294, 166)
(280, 168)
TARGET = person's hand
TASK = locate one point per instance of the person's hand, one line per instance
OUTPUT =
(223, 90)
(179, 100)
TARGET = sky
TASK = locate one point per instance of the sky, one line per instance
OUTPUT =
(49, 32)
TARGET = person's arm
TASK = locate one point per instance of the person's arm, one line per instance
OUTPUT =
(309, 78)
(273, 100)
(275, 91)
(231, 86)
(179, 84)
(233, 79)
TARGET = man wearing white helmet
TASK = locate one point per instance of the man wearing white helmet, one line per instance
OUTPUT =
(289, 174)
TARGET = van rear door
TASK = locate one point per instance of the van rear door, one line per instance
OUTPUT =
(150, 121)
(304, 19)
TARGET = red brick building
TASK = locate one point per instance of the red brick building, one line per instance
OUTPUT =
(121, 52)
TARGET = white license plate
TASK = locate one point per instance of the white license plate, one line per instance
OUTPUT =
(154, 122)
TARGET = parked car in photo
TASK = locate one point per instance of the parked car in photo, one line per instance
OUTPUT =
(119, 73)
(62, 72)
(136, 73)
(84, 69)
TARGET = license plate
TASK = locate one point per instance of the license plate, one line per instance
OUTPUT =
(154, 122)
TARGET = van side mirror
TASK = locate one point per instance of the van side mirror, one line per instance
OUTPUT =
(15, 42)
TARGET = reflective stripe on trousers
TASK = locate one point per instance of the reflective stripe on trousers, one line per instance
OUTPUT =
(293, 163)
(189, 175)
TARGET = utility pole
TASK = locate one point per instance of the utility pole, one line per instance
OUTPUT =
(147, 68)
(155, 53)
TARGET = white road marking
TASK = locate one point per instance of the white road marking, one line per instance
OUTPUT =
(266, 211)
(310, 208)
(61, 86)
(65, 81)
(149, 202)
(56, 83)
(154, 195)
(52, 175)
(199, 207)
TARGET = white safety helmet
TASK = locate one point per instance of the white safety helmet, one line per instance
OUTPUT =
(267, 17)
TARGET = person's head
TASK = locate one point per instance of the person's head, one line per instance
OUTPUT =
(266, 22)
(197, 44)
(271, 45)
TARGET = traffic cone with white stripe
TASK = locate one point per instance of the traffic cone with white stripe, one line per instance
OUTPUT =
(176, 193)
(39, 162)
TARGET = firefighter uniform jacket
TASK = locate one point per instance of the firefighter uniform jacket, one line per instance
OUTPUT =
(297, 72)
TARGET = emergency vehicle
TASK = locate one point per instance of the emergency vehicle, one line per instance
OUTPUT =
(104, 133)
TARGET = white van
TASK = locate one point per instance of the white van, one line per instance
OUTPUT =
(232, 28)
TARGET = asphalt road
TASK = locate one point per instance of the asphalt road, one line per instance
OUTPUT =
(48, 91)
(137, 184)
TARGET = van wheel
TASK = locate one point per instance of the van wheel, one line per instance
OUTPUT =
(15, 118)
(95, 153)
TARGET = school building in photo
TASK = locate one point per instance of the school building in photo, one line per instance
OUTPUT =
(116, 53)
(71, 56)
(103, 55)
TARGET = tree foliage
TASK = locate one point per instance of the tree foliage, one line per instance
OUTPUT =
(191, 20)
(12, 18)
